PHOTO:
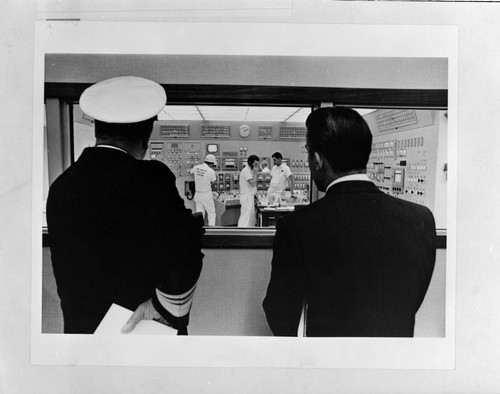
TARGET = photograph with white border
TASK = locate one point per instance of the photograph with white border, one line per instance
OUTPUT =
(407, 60)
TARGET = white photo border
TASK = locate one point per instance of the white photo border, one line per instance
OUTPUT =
(232, 39)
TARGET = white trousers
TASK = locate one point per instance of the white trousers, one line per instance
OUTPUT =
(247, 213)
(204, 202)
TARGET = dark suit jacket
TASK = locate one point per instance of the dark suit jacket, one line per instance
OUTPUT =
(118, 229)
(362, 259)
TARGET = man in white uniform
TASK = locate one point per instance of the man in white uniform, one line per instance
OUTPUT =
(280, 175)
(204, 175)
(248, 189)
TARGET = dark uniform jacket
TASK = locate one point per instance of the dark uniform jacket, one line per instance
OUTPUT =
(361, 259)
(118, 229)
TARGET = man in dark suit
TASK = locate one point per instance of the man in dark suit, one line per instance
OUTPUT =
(357, 261)
(119, 231)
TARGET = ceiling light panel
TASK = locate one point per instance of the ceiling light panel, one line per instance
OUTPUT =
(364, 111)
(268, 114)
(179, 113)
(299, 115)
(233, 113)
(223, 113)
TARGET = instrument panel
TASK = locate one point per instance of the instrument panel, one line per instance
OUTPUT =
(404, 161)
(182, 145)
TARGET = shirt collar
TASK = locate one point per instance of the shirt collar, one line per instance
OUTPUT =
(353, 177)
(112, 147)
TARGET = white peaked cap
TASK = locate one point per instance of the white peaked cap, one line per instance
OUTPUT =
(123, 100)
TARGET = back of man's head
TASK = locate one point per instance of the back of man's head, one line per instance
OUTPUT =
(128, 133)
(341, 135)
(124, 109)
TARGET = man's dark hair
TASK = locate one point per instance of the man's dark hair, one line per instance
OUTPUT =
(341, 135)
(252, 159)
(277, 155)
(131, 132)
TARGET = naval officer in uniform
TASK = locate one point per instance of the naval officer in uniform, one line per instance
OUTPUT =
(119, 231)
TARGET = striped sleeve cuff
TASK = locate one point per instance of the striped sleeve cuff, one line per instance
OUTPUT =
(174, 308)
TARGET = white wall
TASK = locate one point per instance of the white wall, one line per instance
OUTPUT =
(230, 291)
(233, 285)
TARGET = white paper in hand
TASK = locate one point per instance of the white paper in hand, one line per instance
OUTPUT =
(117, 316)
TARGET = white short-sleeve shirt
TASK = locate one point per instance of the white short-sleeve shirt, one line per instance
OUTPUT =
(245, 187)
(279, 175)
(203, 177)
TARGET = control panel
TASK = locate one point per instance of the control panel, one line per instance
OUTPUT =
(403, 161)
(183, 145)
(226, 181)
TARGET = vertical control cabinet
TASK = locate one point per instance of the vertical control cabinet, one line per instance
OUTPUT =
(406, 161)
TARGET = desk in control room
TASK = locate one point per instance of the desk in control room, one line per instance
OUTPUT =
(267, 215)
(227, 210)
